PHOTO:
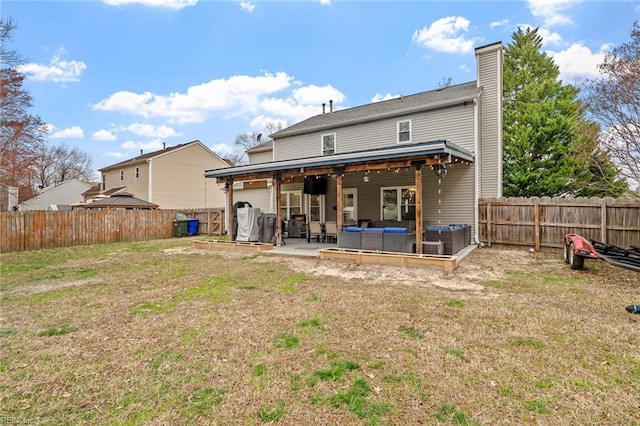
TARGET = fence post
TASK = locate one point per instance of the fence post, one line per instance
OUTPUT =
(209, 232)
(536, 225)
(603, 221)
(489, 229)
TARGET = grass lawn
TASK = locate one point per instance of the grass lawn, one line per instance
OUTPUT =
(150, 333)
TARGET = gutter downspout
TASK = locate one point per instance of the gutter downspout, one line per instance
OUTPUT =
(150, 186)
(477, 173)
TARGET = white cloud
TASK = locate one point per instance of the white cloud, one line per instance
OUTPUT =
(247, 6)
(58, 70)
(500, 23)
(223, 149)
(552, 12)
(577, 61)
(325, 2)
(150, 131)
(464, 68)
(103, 135)
(378, 97)
(168, 4)
(69, 132)
(446, 35)
(313, 94)
(548, 37)
(235, 95)
(261, 122)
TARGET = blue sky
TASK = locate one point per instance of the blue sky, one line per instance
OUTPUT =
(113, 77)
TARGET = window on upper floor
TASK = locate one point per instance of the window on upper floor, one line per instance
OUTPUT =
(329, 144)
(121, 175)
(137, 172)
(104, 182)
(404, 131)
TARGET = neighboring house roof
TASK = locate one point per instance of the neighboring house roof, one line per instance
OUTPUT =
(371, 156)
(95, 190)
(263, 147)
(122, 200)
(151, 155)
(403, 105)
(67, 192)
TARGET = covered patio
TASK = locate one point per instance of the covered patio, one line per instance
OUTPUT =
(435, 155)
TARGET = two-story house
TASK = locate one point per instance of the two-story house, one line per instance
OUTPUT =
(171, 177)
(426, 157)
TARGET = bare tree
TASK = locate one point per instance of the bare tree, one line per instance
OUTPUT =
(60, 163)
(444, 83)
(21, 134)
(253, 139)
(614, 100)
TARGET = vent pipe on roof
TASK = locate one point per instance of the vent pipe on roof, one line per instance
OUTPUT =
(164, 145)
(330, 105)
(323, 104)
(140, 152)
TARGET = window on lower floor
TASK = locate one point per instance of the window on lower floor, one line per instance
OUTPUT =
(316, 208)
(398, 203)
(290, 204)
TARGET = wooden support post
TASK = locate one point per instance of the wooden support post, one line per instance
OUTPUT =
(603, 222)
(536, 225)
(339, 204)
(418, 183)
(278, 187)
(229, 185)
(209, 223)
(489, 230)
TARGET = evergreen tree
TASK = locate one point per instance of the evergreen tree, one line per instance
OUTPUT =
(545, 133)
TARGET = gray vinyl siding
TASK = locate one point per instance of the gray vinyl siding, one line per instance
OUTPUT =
(454, 191)
(490, 79)
(257, 197)
(260, 157)
(453, 124)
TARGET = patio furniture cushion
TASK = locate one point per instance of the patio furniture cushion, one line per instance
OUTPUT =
(352, 229)
(395, 230)
(373, 230)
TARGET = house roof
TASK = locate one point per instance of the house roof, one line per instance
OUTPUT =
(123, 200)
(95, 190)
(403, 105)
(151, 155)
(382, 156)
(263, 147)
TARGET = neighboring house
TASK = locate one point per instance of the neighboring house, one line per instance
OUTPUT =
(55, 196)
(119, 200)
(171, 177)
(96, 192)
(426, 157)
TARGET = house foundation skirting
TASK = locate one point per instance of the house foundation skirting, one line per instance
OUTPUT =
(446, 263)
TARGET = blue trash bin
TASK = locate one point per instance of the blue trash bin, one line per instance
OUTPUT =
(192, 227)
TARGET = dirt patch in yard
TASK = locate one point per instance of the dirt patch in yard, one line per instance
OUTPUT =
(479, 266)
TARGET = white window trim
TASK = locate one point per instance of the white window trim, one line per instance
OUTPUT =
(322, 198)
(398, 131)
(398, 199)
(335, 143)
(288, 206)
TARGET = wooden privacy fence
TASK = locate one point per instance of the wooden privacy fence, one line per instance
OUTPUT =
(543, 222)
(210, 221)
(33, 230)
